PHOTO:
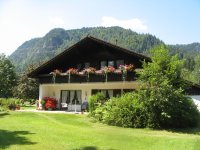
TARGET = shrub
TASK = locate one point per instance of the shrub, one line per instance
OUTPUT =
(48, 102)
(118, 112)
(96, 100)
(32, 101)
(145, 108)
(3, 104)
(18, 102)
(169, 110)
(43, 102)
(123, 111)
(98, 113)
(9, 103)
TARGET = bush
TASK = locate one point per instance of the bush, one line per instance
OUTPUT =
(118, 111)
(125, 111)
(3, 104)
(43, 102)
(18, 102)
(31, 101)
(95, 101)
(168, 108)
(9, 103)
(98, 113)
(48, 102)
(148, 109)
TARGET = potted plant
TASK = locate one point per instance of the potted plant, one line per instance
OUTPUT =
(126, 68)
(106, 70)
(55, 73)
(88, 71)
(12, 106)
(71, 71)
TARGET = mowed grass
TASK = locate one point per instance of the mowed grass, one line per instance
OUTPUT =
(28, 107)
(44, 131)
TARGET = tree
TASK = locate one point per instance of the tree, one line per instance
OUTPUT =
(27, 88)
(162, 92)
(7, 76)
(196, 71)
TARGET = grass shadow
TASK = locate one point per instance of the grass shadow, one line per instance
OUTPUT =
(189, 130)
(90, 148)
(4, 114)
(195, 130)
(9, 138)
(192, 130)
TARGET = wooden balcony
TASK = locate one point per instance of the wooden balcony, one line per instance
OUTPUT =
(111, 77)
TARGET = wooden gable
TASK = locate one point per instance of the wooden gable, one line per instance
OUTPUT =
(90, 50)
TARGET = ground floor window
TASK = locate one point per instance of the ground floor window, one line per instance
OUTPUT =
(111, 92)
(117, 92)
(127, 90)
(71, 96)
(107, 93)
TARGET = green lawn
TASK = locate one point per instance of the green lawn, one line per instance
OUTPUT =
(28, 107)
(43, 131)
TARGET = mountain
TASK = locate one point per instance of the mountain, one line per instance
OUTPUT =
(186, 49)
(39, 50)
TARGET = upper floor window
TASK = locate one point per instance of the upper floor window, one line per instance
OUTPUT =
(79, 67)
(87, 65)
(119, 62)
(111, 63)
(103, 64)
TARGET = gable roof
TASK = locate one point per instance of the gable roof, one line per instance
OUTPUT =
(82, 42)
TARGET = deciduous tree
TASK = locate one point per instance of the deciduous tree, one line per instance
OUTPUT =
(162, 92)
(7, 76)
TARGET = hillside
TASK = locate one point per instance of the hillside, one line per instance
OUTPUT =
(42, 49)
(186, 49)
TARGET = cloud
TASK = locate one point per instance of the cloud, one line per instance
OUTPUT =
(56, 21)
(133, 24)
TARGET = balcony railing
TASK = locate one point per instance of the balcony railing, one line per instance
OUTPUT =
(111, 77)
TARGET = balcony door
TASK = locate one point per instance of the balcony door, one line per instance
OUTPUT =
(71, 97)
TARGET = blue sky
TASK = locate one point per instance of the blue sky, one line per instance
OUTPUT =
(173, 21)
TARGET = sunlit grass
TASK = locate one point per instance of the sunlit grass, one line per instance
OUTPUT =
(28, 107)
(26, 130)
